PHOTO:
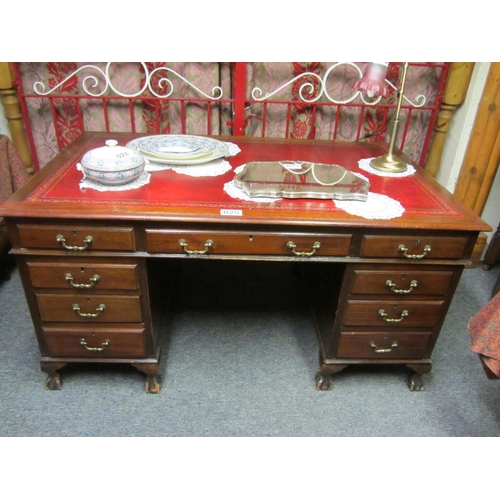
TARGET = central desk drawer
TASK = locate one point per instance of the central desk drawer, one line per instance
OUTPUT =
(94, 342)
(89, 308)
(76, 238)
(255, 243)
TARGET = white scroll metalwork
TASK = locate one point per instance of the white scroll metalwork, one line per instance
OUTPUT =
(258, 93)
(40, 88)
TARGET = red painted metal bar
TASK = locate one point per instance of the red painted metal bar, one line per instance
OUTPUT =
(106, 114)
(209, 118)
(54, 121)
(79, 114)
(239, 86)
(314, 113)
(183, 117)
(360, 122)
(264, 120)
(132, 115)
(337, 121)
(157, 117)
(288, 118)
(406, 127)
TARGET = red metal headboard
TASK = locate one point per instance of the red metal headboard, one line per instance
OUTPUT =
(242, 109)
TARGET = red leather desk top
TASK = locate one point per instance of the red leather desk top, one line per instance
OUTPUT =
(169, 192)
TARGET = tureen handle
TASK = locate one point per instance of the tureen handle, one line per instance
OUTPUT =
(111, 143)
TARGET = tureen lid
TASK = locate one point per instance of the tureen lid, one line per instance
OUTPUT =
(112, 157)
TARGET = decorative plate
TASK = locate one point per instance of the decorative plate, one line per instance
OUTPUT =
(173, 146)
(211, 149)
(159, 149)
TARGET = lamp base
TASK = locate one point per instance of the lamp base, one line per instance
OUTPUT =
(388, 163)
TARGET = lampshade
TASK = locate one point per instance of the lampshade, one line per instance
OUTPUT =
(373, 81)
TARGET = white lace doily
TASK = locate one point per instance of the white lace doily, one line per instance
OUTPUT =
(377, 206)
(364, 164)
(235, 192)
(142, 180)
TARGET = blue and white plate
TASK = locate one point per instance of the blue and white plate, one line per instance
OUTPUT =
(175, 149)
(167, 149)
(173, 146)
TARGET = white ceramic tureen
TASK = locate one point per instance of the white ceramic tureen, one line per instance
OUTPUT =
(112, 164)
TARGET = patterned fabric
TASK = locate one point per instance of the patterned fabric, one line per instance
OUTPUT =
(484, 329)
(13, 173)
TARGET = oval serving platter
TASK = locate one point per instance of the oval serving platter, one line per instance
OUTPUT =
(210, 149)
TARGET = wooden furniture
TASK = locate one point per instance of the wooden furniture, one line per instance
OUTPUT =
(95, 265)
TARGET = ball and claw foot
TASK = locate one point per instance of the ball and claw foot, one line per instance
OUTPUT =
(153, 384)
(324, 381)
(53, 382)
(415, 382)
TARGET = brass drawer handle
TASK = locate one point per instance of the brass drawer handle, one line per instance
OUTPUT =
(292, 246)
(105, 344)
(93, 281)
(403, 249)
(99, 310)
(383, 315)
(184, 246)
(391, 285)
(62, 240)
(380, 350)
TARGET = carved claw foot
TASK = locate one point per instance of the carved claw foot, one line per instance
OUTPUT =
(415, 382)
(153, 380)
(53, 381)
(324, 381)
(153, 384)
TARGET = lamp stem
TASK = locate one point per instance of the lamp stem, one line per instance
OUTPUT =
(395, 124)
(388, 162)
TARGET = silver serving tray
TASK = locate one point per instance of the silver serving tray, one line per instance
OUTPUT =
(301, 179)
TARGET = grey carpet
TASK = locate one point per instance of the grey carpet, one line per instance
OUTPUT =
(240, 360)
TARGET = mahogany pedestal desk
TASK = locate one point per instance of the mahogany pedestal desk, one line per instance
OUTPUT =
(379, 289)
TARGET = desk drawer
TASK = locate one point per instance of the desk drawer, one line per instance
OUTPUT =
(76, 238)
(414, 247)
(83, 275)
(397, 281)
(255, 243)
(89, 308)
(379, 345)
(94, 342)
(397, 314)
